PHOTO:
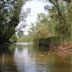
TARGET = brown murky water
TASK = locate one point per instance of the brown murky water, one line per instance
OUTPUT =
(28, 59)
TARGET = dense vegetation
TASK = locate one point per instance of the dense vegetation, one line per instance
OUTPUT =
(9, 18)
(55, 25)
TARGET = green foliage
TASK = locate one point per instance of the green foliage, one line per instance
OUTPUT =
(12, 48)
(41, 29)
(59, 13)
(13, 38)
(56, 26)
(25, 39)
(50, 41)
(9, 18)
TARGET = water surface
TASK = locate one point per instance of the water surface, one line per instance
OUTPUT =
(26, 58)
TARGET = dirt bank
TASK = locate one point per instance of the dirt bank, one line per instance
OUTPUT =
(64, 49)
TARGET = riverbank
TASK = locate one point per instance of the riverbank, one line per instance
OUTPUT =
(64, 50)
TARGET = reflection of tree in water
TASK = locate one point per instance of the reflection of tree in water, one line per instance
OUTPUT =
(6, 59)
(7, 68)
(4, 49)
(60, 67)
(42, 49)
(7, 65)
(20, 48)
(7, 48)
(41, 67)
(27, 60)
(52, 63)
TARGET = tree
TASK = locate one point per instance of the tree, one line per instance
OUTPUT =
(59, 13)
(56, 24)
(41, 29)
(67, 0)
(9, 18)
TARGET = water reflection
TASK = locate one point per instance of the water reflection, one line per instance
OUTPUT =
(7, 66)
(23, 60)
(6, 59)
(27, 60)
(27, 63)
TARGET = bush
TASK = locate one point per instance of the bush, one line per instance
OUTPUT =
(50, 41)
(13, 38)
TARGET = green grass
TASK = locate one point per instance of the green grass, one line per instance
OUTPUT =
(25, 39)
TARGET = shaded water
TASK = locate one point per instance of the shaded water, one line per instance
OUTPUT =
(28, 59)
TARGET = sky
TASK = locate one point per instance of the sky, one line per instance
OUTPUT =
(36, 7)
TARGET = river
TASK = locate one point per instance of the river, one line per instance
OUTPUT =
(26, 58)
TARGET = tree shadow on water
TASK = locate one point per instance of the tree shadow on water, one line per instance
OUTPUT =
(6, 59)
(43, 49)
(5, 49)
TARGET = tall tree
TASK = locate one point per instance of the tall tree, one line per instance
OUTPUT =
(59, 15)
(41, 29)
(9, 18)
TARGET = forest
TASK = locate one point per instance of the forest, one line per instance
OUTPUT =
(55, 29)
(52, 30)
